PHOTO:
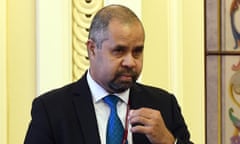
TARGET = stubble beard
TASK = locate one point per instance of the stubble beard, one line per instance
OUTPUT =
(117, 85)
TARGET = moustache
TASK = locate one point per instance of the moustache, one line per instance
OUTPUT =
(128, 72)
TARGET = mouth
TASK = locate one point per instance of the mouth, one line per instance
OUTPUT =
(126, 77)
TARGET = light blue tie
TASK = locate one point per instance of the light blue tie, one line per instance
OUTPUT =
(115, 130)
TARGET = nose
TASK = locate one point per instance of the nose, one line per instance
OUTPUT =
(129, 61)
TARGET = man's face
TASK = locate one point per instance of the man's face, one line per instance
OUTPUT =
(117, 65)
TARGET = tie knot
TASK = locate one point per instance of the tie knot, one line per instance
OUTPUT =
(111, 100)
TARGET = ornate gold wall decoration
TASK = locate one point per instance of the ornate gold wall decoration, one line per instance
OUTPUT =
(83, 12)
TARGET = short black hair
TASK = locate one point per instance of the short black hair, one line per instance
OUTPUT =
(98, 31)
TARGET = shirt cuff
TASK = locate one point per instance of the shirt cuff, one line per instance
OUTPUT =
(175, 141)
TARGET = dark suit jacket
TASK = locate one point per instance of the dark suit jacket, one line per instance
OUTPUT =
(66, 115)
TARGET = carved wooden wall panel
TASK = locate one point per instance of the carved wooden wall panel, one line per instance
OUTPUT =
(82, 12)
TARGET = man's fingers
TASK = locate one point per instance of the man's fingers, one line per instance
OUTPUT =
(144, 112)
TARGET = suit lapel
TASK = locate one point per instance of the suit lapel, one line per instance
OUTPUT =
(137, 100)
(85, 112)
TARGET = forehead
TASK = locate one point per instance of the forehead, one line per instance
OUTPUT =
(126, 30)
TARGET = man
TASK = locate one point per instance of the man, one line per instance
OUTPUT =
(78, 113)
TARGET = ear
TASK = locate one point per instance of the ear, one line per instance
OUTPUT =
(91, 46)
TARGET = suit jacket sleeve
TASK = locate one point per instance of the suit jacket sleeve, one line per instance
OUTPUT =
(166, 103)
(179, 129)
(39, 130)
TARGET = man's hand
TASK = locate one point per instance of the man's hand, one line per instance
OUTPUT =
(150, 122)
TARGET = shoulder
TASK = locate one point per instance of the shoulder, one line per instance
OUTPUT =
(150, 96)
(57, 102)
(62, 96)
(67, 91)
(57, 93)
(151, 90)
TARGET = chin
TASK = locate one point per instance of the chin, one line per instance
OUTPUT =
(121, 87)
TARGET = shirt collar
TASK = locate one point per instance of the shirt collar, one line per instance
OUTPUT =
(98, 93)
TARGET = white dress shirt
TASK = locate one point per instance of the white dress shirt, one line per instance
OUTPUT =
(102, 110)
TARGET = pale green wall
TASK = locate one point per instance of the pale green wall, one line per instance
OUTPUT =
(156, 64)
(20, 69)
(19, 62)
(157, 58)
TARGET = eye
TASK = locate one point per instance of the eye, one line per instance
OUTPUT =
(138, 52)
(119, 50)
